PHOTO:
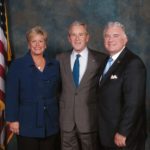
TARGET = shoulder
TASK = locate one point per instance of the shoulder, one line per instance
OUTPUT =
(133, 59)
(53, 61)
(17, 63)
(63, 55)
(15, 68)
(98, 55)
(132, 63)
(94, 52)
(20, 64)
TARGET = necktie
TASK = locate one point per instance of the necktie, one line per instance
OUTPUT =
(76, 68)
(108, 65)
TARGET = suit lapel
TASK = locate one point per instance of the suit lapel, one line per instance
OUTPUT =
(67, 65)
(114, 66)
(90, 64)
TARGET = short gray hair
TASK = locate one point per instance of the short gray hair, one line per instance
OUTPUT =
(116, 24)
(78, 23)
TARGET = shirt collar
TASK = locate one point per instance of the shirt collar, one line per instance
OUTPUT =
(115, 56)
(83, 53)
(30, 62)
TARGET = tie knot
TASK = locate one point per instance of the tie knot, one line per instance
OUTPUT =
(78, 55)
(110, 59)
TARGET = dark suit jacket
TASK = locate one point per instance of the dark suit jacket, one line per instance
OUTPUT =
(122, 100)
(78, 106)
(31, 97)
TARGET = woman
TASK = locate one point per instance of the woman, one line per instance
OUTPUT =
(31, 96)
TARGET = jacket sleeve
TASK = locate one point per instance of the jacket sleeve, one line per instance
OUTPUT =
(134, 91)
(12, 93)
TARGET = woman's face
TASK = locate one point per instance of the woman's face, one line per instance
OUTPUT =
(37, 44)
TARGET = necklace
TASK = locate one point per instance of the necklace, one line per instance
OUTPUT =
(40, 63)
(39, 67)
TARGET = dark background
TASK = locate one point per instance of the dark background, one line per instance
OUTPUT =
(56, 15)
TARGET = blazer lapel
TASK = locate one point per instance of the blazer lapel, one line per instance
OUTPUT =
(90, 64)
(67, 65)
(112, 68)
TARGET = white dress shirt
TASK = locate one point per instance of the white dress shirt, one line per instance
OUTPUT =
(83, 59)
(115, 56)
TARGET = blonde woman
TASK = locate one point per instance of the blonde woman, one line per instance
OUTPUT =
(31, 96)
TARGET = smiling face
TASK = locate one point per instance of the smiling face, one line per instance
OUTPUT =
(37, 44)
(78, 37)
(114, 39)
(37, 40)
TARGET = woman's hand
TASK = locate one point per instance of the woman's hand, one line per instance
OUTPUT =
(14, 127)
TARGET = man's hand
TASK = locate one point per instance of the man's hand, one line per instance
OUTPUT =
(14, 127)
(120, 140)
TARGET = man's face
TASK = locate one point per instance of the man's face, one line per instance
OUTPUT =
(114, 39)
(78, 37)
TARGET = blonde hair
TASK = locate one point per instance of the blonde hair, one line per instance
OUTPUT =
(36, 30)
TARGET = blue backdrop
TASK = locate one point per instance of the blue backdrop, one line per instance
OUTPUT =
(56, 15)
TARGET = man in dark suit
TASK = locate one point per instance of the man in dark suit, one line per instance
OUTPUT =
(121, 93)
(78, 106)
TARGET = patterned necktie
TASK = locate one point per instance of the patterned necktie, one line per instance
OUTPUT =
(76, 69)
(108, 65)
